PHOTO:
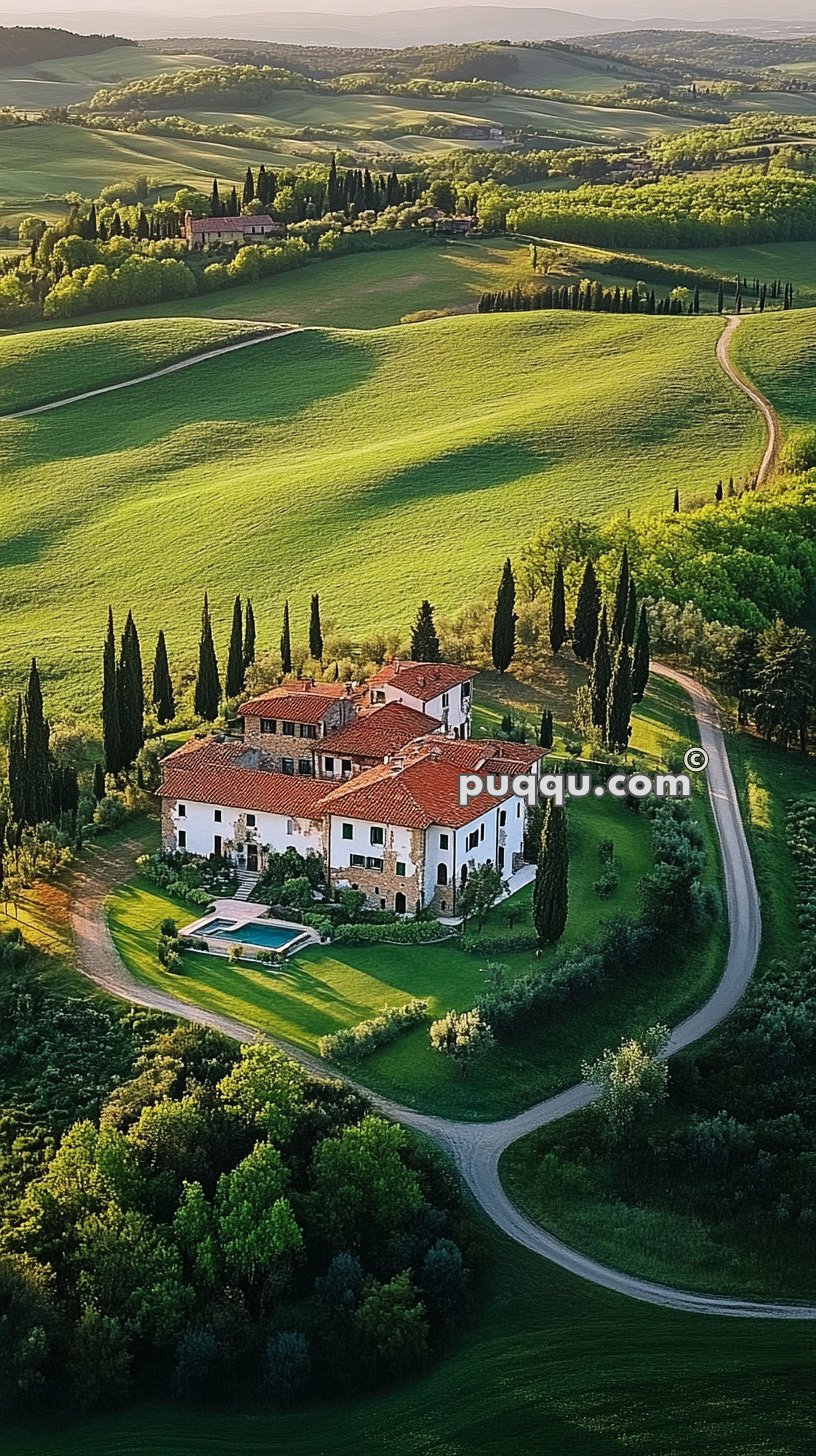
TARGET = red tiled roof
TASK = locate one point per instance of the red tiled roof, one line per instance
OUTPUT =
(489, 755)
(291, 707)
(230, 224)
(423, 680)
(206, 771)
(425, 792)
(378, 734)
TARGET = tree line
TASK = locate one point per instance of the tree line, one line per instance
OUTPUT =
(584, 297)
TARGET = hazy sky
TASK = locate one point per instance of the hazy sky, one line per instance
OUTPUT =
(68, 12)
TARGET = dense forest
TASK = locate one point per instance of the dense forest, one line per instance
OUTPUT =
(177, 1214)
(22, 44)
(738, 205)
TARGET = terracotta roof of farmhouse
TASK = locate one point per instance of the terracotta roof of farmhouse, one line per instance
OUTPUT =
(230, 224)
(206, 771)
(293, 705)
(423, 792)
(423, 680)
(378, 734)
(489, 755)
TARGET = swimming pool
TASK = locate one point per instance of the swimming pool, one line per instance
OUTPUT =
(254, 932)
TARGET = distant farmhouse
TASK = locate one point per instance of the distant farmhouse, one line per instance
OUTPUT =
(204, 231)
(365, 776)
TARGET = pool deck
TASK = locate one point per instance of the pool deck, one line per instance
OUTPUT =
(242, 913)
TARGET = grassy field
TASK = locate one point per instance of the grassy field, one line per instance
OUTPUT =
(779, 355)
(34, 368)
(329, 987)
(69, 79)
(658, 1240)
(363, 291)
(791, 262)
(45, 162)
(361, 463)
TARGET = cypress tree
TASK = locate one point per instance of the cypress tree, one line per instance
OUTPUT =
(235, 658)
(98, 782)
(164, 700)
(249, 634)
(587, 613)
(619, 707)
(631, 616)
(208, 683)
(545, 732)
(130, 693)
(551, 889)
(676, 505)
(215, 200)
(558, 610)
(17, 766)
(249, 191)
(621, 598)
(640, 664)
(720, 298)
(111, 737)
(424, 640)
(37, 756)
(315, 630)
(718, 494)
(286, 642)
(600, 675)
(504, 620)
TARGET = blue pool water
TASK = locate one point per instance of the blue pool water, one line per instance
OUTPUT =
(271, 937)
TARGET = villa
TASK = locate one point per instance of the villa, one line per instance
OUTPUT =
(204, 231)
(371, 786)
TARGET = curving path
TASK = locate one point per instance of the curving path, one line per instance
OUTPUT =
(278, 332)
(476, 1148)
(756, 397)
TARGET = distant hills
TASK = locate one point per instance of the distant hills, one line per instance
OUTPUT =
(22, 44)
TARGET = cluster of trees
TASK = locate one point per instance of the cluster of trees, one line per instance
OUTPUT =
(735, 206)
(228, 1225)
(212, 88)
(703, 146)
(586, 297)
(240, 655)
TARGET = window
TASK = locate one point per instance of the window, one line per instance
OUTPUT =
(443, 905)
(382, 905)
(481, 832)
(217, 815)
(250, 821)
(182, 810)
(441, 874)
(472, 840)
(308, 730)
(445, 700)
(345, 765)
(400, 867)
(268, 725)
(465, 690)
(358, 860)
(288, 730)
(290, 828)
(444, 841)
(377, 834)
(502, 817)
(328, 765)
(348, 831)
(182, 839)
(372, 863)
(377, 695)
(304, 767)
(287, 765)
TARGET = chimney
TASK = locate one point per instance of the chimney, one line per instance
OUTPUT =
(397, 666)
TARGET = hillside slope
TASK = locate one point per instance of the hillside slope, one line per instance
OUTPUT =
(376, 467)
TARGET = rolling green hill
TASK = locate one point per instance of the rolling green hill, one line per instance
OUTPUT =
(38, 85)
(779, 354)
(377, 467)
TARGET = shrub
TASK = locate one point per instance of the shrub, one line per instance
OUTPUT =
(606, 884)
(174, 965)
(321, 924)
(169, 928)
(462, 1035)
(192, 942)
(236, 952)
(504, 940)
(355, 1042)
(403, 932)
(110, 812)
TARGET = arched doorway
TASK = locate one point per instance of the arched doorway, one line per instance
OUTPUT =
(400, 903)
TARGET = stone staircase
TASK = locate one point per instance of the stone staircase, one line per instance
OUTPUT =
(247, 880)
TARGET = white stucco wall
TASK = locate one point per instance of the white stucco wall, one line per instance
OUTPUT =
(275, 830)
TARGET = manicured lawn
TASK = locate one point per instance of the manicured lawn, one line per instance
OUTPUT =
(551, 1364)
(361, 464)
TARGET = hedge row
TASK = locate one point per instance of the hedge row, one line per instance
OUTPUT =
(403, 932)
(355, 1042)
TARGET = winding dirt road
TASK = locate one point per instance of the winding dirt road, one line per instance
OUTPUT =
(476, 1148)
(755, 395)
